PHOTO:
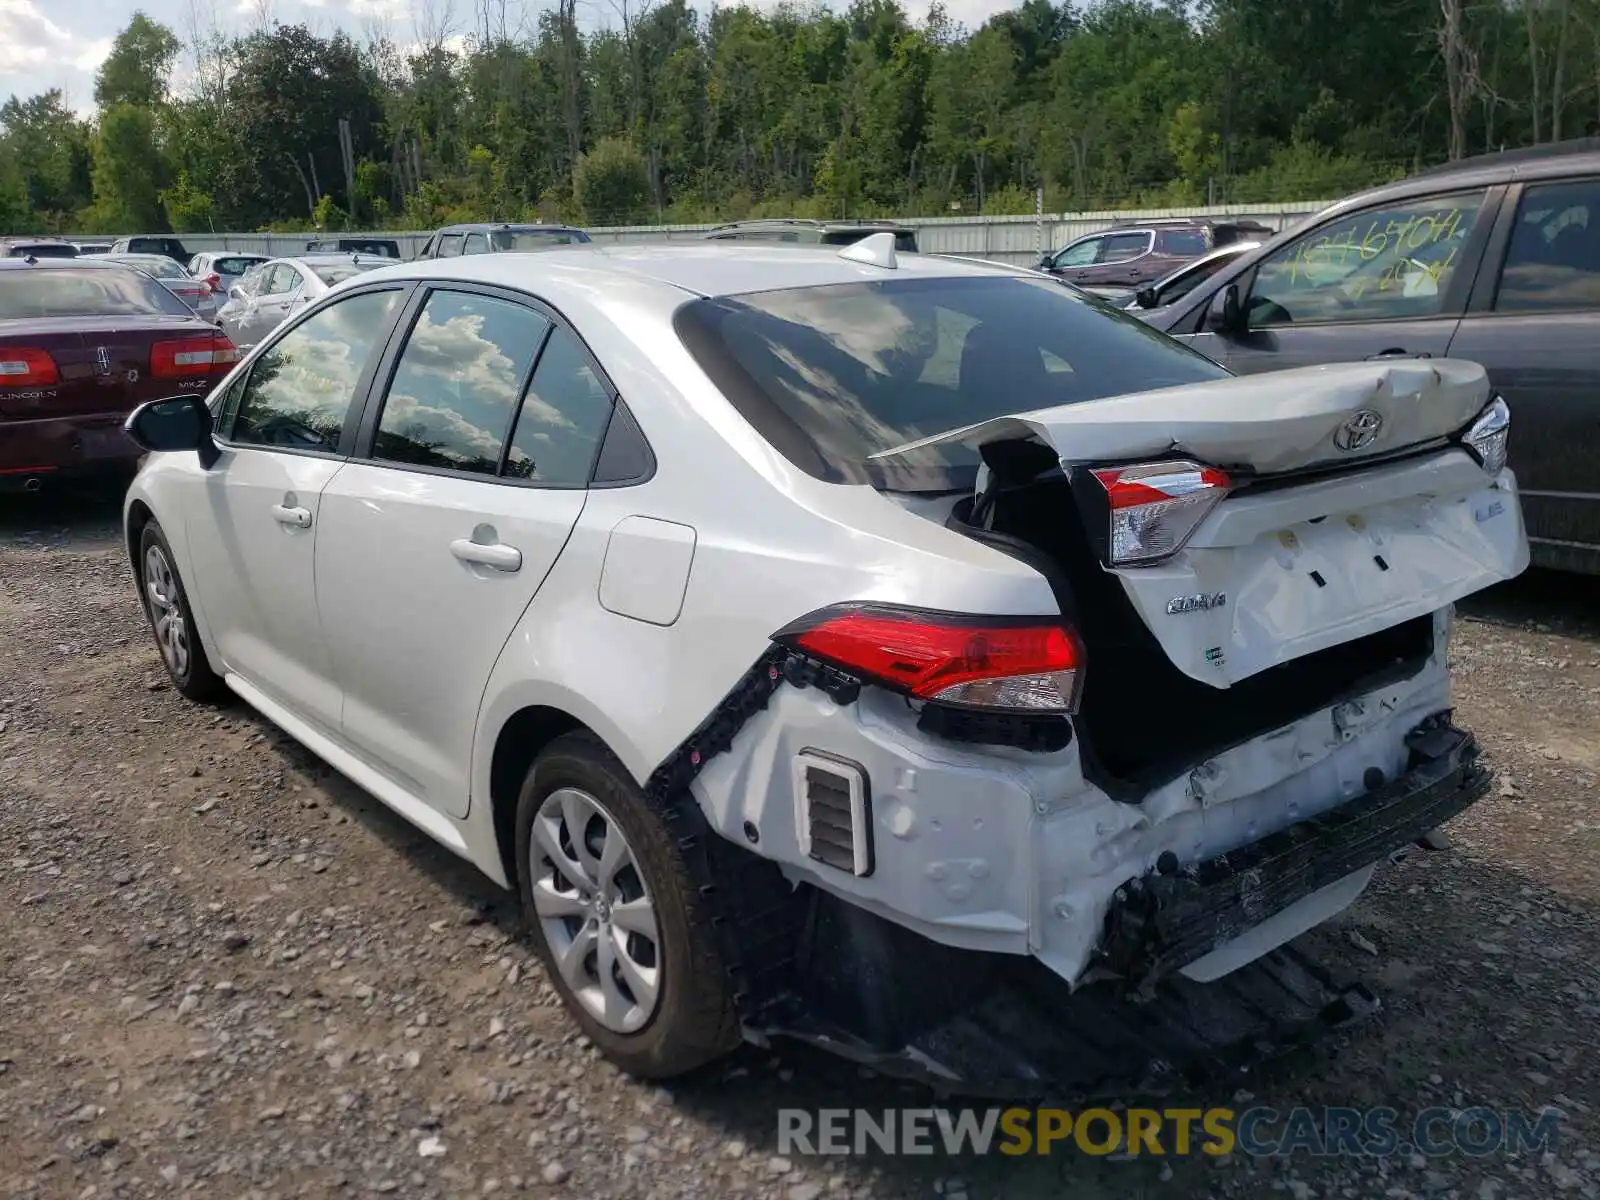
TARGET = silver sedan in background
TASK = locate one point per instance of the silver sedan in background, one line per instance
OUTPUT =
(221, 269)
(196, 293)
(276, 289)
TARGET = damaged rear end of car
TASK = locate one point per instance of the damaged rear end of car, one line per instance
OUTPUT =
(1067, 853)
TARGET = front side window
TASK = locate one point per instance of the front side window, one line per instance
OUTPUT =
(1184, 281)
(476, 244)
(1380, 264)
(835, 374)
(449, 245)
(300, 390)
(457, 382)
(1080, 254)
(1120, 247)
(563, 417)
(1553, 261)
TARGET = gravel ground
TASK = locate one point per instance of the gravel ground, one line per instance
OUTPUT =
(224, 971)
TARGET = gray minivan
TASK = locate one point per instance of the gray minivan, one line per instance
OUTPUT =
(1493, 259)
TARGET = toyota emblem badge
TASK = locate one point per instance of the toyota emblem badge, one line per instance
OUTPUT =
(1359, 431)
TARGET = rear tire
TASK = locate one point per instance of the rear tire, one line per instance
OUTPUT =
(617, 915)
(166, 604)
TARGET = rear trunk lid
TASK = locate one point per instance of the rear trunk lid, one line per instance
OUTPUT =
(103, 364)
(1350, 509)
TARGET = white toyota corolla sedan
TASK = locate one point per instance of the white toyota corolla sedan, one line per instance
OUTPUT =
(904, 654)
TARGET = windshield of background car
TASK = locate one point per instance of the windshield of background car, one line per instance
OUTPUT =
(904, 241)
(43, 250)
(339, 272)
(161, 268)
(832, 375)
(85, 292)
(528, 239)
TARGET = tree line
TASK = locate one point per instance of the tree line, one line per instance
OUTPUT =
(672, 115)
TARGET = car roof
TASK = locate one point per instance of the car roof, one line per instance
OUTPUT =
(1553, 161)
(814, 223)
(512, 226)
(699, 268)
(56, 264)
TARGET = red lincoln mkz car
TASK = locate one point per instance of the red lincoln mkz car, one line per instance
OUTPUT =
(83, 343)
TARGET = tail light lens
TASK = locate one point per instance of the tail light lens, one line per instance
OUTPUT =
(192, 356)
(214, 282)
(1000, 663)
(1487, 436)
(27, 366)
(1148, 511)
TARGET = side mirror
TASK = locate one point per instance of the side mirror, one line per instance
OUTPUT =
(1145, 297)
(236, 292)
(1045, 260)
(174, 424)
(1222, 314)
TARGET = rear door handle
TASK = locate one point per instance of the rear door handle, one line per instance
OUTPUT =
(1396, 352)
(298, 518)
(499, 556)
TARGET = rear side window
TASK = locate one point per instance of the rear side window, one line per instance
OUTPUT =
(1119, 247)
(1554, 258)
(456, 386)
(1188, 242)
(84, 292)
(832, 375)
(449, 245)
(476, 244)
(299, 392)
(563, 418)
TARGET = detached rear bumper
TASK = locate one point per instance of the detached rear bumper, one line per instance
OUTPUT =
(1165, 921)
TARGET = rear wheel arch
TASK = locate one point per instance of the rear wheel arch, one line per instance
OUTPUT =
(521, 739)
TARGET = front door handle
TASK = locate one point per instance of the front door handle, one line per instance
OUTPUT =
(498, 555)
(1396, 352)
(286, 514)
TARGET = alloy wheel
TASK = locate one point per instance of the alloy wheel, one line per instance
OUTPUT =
(166, 611)
(595, 910)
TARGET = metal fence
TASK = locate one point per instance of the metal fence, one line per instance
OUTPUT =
(1017, 240)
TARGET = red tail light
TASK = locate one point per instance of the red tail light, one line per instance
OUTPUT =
(1152, 509)
(27, 366)
(208, 355)
(1017, 663)
(214, 282)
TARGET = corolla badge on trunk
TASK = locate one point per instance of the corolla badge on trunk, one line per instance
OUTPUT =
(1359, 431)
(1203, 602)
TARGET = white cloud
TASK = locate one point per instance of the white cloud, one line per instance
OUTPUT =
(93, 55)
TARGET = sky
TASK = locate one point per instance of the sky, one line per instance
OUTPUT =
(60, 43)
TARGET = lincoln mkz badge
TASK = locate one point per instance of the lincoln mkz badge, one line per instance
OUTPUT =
(1204, 602)
(1359, 431)
(102, 361)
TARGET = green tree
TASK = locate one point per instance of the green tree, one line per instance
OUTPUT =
(612, 184)
(137, 69)
(127, 194)
(188, 209)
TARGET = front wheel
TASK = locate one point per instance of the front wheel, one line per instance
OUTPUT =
(616, 915)
(171, 620)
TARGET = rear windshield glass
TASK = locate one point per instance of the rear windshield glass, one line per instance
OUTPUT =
(43, 250)
(832, 375)
(529, 239)
(339, 272)
(83, 292)
(234, 266)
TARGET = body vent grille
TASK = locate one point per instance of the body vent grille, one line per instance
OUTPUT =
(832, 812)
